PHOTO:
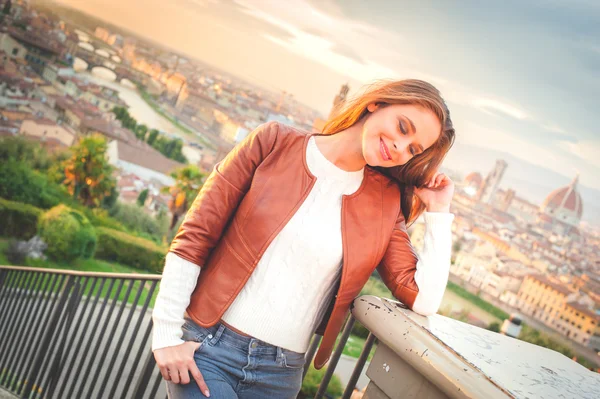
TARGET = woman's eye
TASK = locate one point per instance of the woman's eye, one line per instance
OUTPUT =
(402, 127)
(412, 151)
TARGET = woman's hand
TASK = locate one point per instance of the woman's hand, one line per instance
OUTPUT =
(175, 362)
(437, 193)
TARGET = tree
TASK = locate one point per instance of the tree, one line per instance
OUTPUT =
(6, 9)
(494, 326)
(188, 181)
(141, 199)
(88, 175)
(140, 132)
(152, 137)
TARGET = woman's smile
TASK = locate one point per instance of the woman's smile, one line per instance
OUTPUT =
(385, 152)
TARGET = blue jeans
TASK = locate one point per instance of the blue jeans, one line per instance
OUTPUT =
(235, 366)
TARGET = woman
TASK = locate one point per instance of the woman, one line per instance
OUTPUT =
(286, 231)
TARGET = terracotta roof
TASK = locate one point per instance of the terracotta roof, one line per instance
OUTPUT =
(555, 286)
(565, 197)
(474, 179)
(146, 157)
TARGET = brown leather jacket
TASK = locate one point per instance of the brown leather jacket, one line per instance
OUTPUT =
(251, 195)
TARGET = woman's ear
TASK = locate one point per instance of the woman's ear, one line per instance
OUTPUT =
(372, 107)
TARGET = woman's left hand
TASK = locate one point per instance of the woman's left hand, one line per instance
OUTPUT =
(437, 193)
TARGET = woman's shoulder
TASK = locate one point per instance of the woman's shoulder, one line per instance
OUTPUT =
(282, 134)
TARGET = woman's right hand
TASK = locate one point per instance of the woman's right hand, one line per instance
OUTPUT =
(175, 362)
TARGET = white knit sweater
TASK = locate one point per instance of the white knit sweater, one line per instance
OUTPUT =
(307, 252)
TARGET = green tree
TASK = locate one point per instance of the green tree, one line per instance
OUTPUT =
(140, 132)
(68, 233)
(141, 199)
(188, 181)
(494, 326)
(152, 136)
(88, 175)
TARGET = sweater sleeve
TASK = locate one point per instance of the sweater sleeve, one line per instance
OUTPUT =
(433, 267)
(179, 279)
(419, 280)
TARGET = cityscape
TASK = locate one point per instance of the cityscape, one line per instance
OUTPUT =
(67, 78)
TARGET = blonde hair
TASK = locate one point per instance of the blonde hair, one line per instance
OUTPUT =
(422, 167)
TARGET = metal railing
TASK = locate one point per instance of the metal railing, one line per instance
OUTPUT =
(71, 334)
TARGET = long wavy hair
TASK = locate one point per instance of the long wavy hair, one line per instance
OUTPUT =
(422, 167)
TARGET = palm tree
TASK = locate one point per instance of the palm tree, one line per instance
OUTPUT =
(88, 175)
(188, 181)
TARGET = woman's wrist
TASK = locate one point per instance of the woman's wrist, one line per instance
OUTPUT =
(438, 208)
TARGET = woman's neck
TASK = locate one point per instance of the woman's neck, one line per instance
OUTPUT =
(344, 149)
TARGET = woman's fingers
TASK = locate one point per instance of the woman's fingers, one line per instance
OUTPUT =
(439, 179)
(165, 373)
(195, 371)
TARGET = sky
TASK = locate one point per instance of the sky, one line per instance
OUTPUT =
(521, 78)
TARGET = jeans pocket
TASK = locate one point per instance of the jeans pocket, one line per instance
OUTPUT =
(293, 360)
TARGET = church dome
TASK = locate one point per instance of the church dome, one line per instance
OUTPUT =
(564, 204)
(473, 179)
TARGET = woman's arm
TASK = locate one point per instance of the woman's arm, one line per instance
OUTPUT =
(221, 194)
(178, 281)
(201, 229)
(419, 281)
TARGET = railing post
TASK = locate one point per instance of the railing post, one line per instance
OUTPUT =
(56, 368)
(144, 378)
(310, 354)
(360, 364)
(335, 357)
(45, 344)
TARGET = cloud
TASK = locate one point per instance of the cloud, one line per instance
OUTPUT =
(587, 150)
(492, 106)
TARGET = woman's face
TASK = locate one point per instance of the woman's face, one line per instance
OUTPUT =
(393, 134)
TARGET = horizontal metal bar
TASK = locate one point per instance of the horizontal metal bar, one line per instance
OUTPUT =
(136, 276)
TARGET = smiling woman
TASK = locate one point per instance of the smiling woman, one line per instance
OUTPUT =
(272, 277)
(406, 133)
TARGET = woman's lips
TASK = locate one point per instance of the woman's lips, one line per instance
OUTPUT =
(385, 152)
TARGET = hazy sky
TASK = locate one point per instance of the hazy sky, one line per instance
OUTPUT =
(520, 77)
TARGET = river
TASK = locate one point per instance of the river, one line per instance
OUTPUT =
(138, 108)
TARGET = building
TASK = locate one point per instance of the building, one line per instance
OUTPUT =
(472, 183)
(40, 50)
(48, 131)
(505, 199)
(339, 100)
(492, 181)
(562, 209)
(578, 322)
(52, 71)
(12, 48)
(561, 307)
(143, 161)
(103, 98)
(544, 298)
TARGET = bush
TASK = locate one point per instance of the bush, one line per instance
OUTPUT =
(18, 182)
(100, 218)
(476, 300)
(18, 220)
(136, 219)
(68, 233)
(359, 330)
(313, 378)
(116, 246)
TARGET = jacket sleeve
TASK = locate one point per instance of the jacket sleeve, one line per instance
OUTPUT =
(419, 281)
(221, 194)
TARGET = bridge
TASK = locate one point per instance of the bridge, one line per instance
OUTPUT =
(94, 60)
